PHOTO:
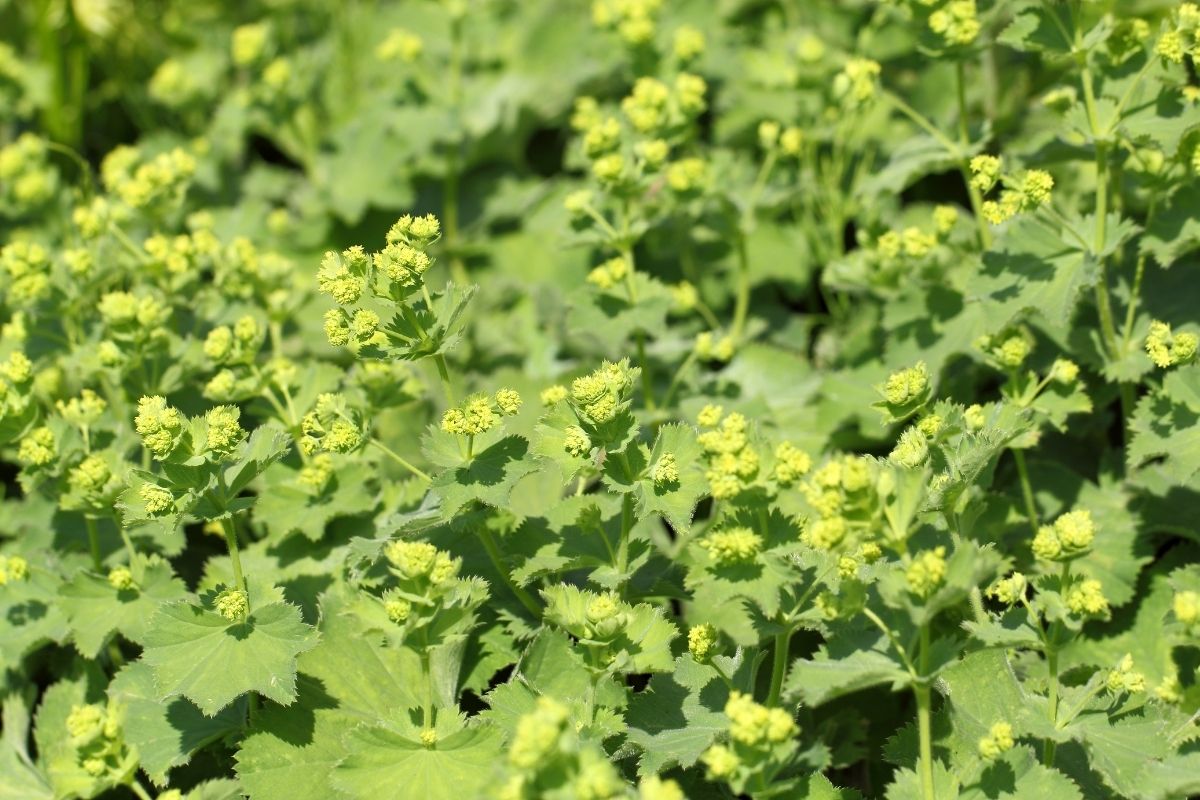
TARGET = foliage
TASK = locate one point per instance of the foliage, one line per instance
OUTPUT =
(620, 399)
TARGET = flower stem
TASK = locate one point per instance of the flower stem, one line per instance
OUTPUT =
(489, 545)
(94, 543)
(458, 272)
(779, 665)
(1026, 489)
(444, 374)
(741, 305)
(400, 460)
(925, 717)
(230, 531)
(964, 141)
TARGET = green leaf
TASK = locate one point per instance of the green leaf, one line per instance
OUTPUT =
(1175, 229)
(95, 609)
(166, 735)
(30, 616)
(1019, 774)
(847, 663)
(459, 765)
(1164, 429)
(286, 507)
(487, 478)
(1032, 268)
(348, 678)
(20, 777)
(266, 445)
(678, 716)
(210, 660)
(674, 501)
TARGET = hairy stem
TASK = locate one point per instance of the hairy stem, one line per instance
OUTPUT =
(964, 141)
(231, 542)
(1026, 489)
(783, 642)
(450, 185)
(400, 460)
(924, 717)
(94, 543)
(489, 545)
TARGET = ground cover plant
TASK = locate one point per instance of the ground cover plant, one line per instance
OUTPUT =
(619, 399)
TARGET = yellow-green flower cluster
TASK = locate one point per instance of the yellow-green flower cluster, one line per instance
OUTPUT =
(1009, 348)
(837, 489)
(236, 345)
(1010, 590)
(397, 609)
(38, 448)
(156, 499)
(609, 274)
(421, 561)
(1182, 38)
(224, 432)
(732, 546)
(635, 21)
(907, 387)
(248, 43)
(926, 571)
(598, 397)
(999, 740)
(13, 568)
(665, 471)
(232, 604)
(1166, 349)
(1124, 679)
(27, 265)
(911, 450)
(537, 733)
(1186, 607)
(710, 348)
(1086, 598)
(25, 177)
(142, 182)
(755, 731)
(1069, 537)
(688, 43)
(858, 82)
(791, 464)
(732, 461)
(121, 579)
(400, 45)
(576, 441)
(956, 22)
(480, 413)
(90, 477)
(1022, 192)
(158, 424)
(653, 787)
(701, 640)
(330, 427)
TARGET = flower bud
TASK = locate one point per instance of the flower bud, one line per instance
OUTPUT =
(232, 604)
(701, 640)
(998, 741)
(926, 572)
(732, 546)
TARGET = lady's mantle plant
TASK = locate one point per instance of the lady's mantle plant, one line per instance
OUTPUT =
(632, 399)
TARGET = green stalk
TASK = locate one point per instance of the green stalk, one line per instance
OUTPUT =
(925, 717)
(427, 702)
(231, 541)
(626, 252)
(779, 665)
(400, 460)
(742, 303)
(450, 185)
(94, 543)
(444, 374)
(1026, 489)
(964, 141)
(489, 545)
(1052, 670)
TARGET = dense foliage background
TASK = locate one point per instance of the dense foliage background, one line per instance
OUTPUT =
(631, 398)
